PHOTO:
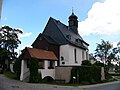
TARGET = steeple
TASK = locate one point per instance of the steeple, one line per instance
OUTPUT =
(73, 22)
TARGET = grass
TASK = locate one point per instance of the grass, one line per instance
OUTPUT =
(10, 74)
(62, 84)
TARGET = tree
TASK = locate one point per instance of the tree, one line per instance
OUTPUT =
(102, 50)
(9, 41)
(106, 52)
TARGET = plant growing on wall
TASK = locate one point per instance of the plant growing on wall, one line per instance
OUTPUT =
(17, 68)
(35, 77)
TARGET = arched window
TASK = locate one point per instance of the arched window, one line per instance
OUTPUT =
(75, 55)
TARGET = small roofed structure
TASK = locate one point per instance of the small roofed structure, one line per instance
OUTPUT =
(47, 61)
(38, 54)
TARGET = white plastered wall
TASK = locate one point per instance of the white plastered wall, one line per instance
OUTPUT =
(67, 51)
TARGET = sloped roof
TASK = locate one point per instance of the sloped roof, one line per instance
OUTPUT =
(39, 54)
(61, 34)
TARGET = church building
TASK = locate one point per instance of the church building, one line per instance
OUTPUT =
(58, 47)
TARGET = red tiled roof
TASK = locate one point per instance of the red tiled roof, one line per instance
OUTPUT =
(41, 54)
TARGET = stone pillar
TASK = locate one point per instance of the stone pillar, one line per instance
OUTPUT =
(55, 63)
(46, 64)
(22, 70)
(102, 73)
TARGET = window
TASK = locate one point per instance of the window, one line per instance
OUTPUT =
(86, 55)
(41, 64)
(62, 58)
(77, 40)
(83, 55)
(71, 23)
(51, 65)
(68, 37)
(75, 55)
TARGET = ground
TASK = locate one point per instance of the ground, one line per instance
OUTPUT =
(10, 84)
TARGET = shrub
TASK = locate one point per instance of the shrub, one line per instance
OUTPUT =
(91, 74)
(86, 63)
(35, 77)
(114, 74)
(17, 68)
(98, 63)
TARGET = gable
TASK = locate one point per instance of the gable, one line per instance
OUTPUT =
(53, 32)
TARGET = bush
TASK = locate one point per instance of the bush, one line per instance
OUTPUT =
(114, 74)
(91, 74)
(86, 63)
(17, 68)
(35, 77)
(98, 63)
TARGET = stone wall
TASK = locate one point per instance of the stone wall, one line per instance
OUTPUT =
(63, 73)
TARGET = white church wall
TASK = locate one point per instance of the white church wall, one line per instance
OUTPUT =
(68, 53)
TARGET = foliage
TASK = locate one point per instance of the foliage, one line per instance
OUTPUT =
(98, 63)
(107, 53)
(87, 74)
(86, 62)
(114, 74)
(17, 68)
(3, 57)
(103, 49)
(9, 42)
(10, 74)
(35, 77)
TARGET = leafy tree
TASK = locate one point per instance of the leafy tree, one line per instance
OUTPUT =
(102, 50)
(106, 52)
(9, 41)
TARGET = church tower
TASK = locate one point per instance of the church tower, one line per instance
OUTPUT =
(73, 23)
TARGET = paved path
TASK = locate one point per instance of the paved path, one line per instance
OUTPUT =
(9, 84)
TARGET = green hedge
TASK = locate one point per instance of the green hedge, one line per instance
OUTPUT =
(35, 77)
(17, 68)
(87, 74)
(114, 74)
(86, 63)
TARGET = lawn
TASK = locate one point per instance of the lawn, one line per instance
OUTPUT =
(10, 74)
